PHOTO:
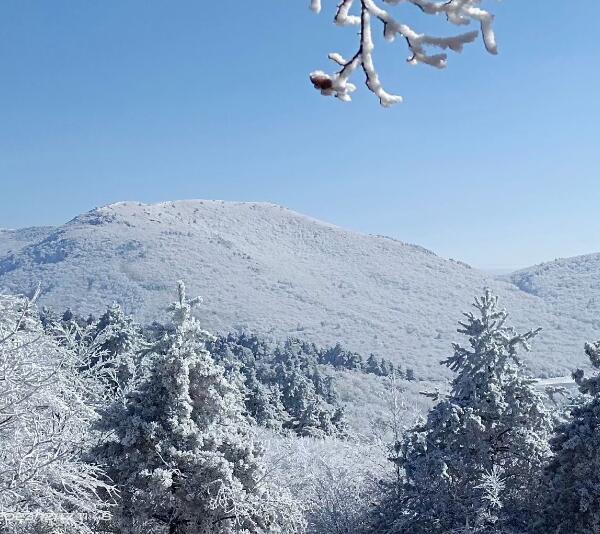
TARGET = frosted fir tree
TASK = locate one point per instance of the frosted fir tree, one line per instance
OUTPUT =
(116, 334)
(46, 410)
(573, 476)
(181, 451)
(309, 413)
(117, 343)
(263, 402)
(373, 366)
(455, 12)
(493, 421)
(110, 348)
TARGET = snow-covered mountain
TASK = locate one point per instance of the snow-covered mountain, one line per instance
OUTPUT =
(264, 268)
(571, 286)
(11, 240)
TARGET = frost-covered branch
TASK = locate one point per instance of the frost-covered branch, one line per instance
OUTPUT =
(457, 12)
(45, 414)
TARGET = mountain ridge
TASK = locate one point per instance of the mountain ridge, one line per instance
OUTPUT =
(264, 268)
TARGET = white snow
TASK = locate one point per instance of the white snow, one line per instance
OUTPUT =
(273, 271)
(368, 11)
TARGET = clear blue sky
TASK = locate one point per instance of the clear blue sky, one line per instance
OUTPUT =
(494, 161)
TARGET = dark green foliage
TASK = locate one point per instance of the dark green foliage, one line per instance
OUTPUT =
(572, 491)
(283, 385)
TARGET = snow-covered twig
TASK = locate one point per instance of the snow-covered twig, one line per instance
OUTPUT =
(457, 12)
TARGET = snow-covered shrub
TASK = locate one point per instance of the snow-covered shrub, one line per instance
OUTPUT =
(46, 409)
(181, 450)
(572, 492)
(335, 481)
(492, 421)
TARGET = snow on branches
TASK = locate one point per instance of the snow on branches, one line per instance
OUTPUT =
(457, 12)
(46, 410)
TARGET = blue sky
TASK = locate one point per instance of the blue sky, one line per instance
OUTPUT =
(494, 161)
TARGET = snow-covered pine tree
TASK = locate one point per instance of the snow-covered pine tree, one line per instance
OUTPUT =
(115, 333)
(373, 365)
(263, 402)
(572, 492)
(46, 409)
(493, 421)
(117, 341)
(283, 385)
(181, 451)
(309, 413)
(109, 348)
(386, 367)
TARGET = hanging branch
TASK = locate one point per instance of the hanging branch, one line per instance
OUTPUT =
(457, 12)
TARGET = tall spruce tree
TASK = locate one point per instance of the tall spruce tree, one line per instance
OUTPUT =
(181, 450)
(573, 475)
(492, 422)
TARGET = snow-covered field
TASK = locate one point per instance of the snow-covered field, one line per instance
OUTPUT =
(264, 268)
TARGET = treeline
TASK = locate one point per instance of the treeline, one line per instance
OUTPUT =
(335, 356)
(284, 384)
(106, 426)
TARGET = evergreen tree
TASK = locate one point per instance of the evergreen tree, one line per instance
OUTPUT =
(48, 317)
(117, 343)
(284, 387)
(573, 475)
(386, 369)
(263, 402)
(330, 392)
(181, 450)
(310, 413)
(115, 333)
(493, 421)
(373, 366)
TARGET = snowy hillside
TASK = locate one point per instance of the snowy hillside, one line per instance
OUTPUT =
(571, 286)
(264, 268)
(12, 240)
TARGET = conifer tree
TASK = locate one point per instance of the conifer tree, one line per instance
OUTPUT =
(573, 475)
(117, 341)
(263, 402)
(283, 385)
(115, 333)
(309, 413)
(181, 450)
(493, 421)
(386, 369)
(373, 366)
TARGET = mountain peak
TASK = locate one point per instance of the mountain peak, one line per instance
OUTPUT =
(263, 268)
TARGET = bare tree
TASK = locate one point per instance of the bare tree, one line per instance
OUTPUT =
(45, 486)
(335, 481)
(456, 12)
